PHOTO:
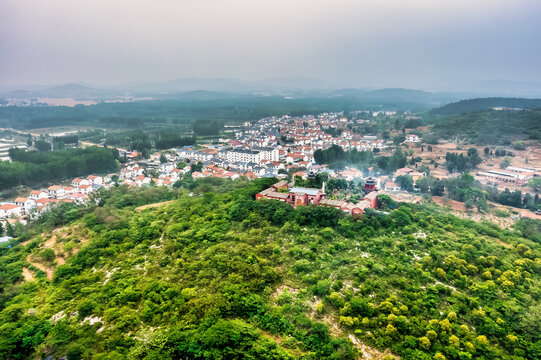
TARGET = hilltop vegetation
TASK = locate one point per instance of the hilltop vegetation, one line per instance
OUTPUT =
(475, 120)
(483, 104)
(489, 127)
(219, 275)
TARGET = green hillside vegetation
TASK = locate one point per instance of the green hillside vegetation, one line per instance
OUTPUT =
(218, 275)
(489, 127)
(483, 104)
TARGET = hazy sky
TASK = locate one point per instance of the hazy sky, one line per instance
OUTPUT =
(347, 42)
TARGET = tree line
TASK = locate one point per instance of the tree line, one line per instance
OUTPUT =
(472, 193)
(31, 168)
(337, 158)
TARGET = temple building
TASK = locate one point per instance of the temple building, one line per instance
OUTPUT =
(301, 196)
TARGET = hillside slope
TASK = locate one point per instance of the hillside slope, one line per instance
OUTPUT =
(490, 127)
(221, 276)
(483, 104)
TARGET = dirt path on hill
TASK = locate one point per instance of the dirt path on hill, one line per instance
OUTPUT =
(46, 270)
(50, 243)
(141, 208)
(27, 274)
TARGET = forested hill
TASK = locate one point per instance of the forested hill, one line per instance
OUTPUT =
(482, 104)
(218, 275)
(490, 127)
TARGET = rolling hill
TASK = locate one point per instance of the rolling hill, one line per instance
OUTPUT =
(218, 275)
(483, 104)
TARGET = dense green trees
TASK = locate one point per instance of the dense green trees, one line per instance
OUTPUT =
(405, 182)
(42, 145)
(219, 275)
(207, 127)
(489, 127)
(167, 140)
(35, 168)
(460, 163)
(336, 157)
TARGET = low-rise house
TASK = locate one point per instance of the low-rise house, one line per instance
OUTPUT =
(78, 198)
(167, 167)
(403, 171)
(38, 194)
(7, 210)
(293, 158)
(42, 204)
(413, 138)
(75, 183)
(250, 175)
(95, 180)
(175, 173)
(85, 189)
(26, 204)
(197, 175)
(56, 192)
(142, 180)
(391, 186)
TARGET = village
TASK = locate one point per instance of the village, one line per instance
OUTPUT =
(283, 148)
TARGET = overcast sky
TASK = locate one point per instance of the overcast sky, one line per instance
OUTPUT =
(377, 43)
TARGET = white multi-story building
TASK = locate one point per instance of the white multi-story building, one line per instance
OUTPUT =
(243, 155)
(268, 153)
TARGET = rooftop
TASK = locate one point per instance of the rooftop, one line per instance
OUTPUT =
(303, 190)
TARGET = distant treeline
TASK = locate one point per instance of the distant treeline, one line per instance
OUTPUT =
(208, 127)
(144, 142)
(67, 139)
(469, 191)
(32, 168)
(337, 158)
(166, 140)
(482, 104)
(195, 106)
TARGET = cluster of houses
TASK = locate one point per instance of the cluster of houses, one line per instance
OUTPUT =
(24, 208)
(304, 135)
(273, 145)
(270, 147)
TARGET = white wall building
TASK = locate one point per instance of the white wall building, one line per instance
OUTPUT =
(243, 155)
(268, 153)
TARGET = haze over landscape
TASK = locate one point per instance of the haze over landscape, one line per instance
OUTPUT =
(470, 46)
(257, 179)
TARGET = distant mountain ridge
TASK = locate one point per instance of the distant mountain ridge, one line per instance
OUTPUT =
(69, 90)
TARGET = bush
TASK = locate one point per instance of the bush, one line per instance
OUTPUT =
(86, 308)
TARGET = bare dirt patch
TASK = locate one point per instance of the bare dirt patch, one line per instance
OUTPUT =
(48, 271)
(369, 353)
(453, 204)
(141, 208)
(27, 274)
(55, 242)
(504, 244)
